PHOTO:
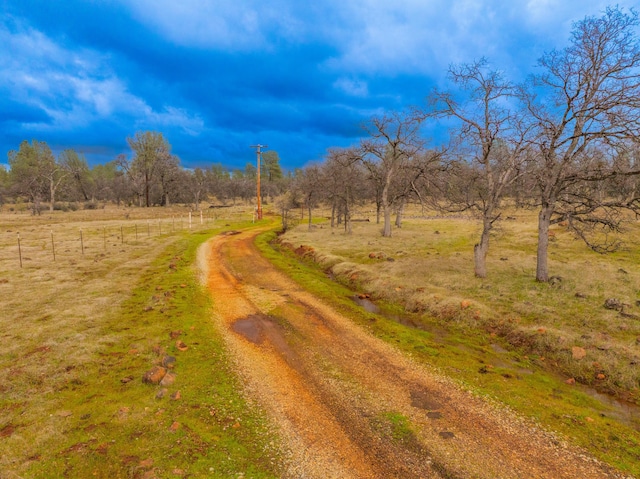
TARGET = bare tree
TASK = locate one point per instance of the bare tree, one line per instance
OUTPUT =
(79, 174)
(309, 183)
(587, 98)
(394, 140)
(149, 148)
(343, 182)
(30, 171)
(492, 136)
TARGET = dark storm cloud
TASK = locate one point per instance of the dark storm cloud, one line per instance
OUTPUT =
(216, 77)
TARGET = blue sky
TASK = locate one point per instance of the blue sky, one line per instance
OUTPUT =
(218, 76)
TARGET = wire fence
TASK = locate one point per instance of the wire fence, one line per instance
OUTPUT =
(31, 245)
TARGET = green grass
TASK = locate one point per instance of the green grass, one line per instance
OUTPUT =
(101, 420)
(479, 361)
(394, 426)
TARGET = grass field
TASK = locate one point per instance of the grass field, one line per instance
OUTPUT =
(79, 332)
(507, 336)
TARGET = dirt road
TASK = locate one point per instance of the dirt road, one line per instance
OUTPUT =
(350, 406)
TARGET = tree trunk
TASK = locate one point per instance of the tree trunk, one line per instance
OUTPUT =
(52, 195)
(481, 249)
(333, 214)
(386, 232)
(544, 220)
(309, 208)
(399, 214)
(146, 189)
(386, 207)
(378, 208)
(347, 219)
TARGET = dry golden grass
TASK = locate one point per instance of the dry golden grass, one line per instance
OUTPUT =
(52, 312)
(432, 271)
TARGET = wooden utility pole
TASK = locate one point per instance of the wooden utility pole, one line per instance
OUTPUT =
(258, 158)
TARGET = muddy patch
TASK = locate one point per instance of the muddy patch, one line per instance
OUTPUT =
(251, 328)
(423, 400)
(366, 304)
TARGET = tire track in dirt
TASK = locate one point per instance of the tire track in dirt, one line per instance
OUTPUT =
(350, 406)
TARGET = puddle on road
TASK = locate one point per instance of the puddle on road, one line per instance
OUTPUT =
(258, 328)
(422, 399)
(251, 328)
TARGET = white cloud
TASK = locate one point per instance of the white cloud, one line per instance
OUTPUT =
(74, 87)
(352, 87)
(231, 25)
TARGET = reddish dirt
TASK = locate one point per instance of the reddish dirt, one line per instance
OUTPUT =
(334, 392)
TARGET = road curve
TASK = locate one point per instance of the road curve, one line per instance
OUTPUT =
(348, 405)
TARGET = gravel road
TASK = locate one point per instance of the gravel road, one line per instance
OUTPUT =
(348, 405)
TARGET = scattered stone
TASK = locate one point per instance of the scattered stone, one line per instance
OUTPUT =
(159, 350)
(154, 375)
(181, 346)
(372, 255)
(504, 259)
(178, 472)
(436, 232)
(236, 425)
(148, 308)
(391, 260)
(622, 271)
(638, 341)
(464, 304)
(555, 280)
(175, 334)
(169, 362)
(64, 413)
(174, 426)
(613, 303)
(159, 288)
(183, 285)
(162, 393)
(126, 380)
(146, 463)
(589, 419)
(7, 430)
(542, 330)
(176, 396)
(578, 353)
(570, 381)
(381, 256)
(168, 379)
(600, 376)
(434, 415)
(420, 290)
(580, 295)
(446, 434)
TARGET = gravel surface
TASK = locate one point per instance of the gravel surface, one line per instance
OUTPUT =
(348, 405)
